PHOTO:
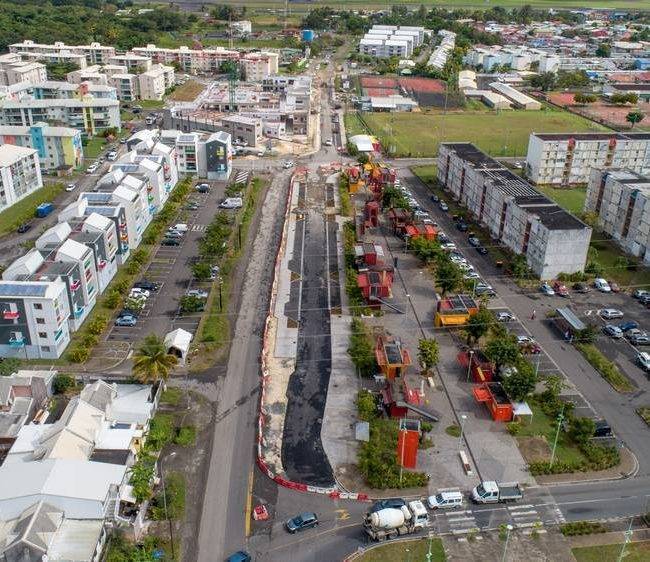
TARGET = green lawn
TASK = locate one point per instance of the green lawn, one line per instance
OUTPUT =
(94, 146)
(405, 551)
(608, 255)
(634, 552)
(500, 134)
(542, 425)
(151, 104)
(573, 200)
(24, 210)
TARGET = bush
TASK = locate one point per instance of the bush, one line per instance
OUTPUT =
(582, 528)
(8, 366)
(141, 478)
(78, 354)
(175, 496)
(62, 383)
(186, 436)
(202, 271)
(190, 303)
(89, 340)
(426, 426)
(112, 299)
(453, 430)
(366, 406)
(514, 428)
(97, 325)
(606, 368)
(361, 350)
(161, 431)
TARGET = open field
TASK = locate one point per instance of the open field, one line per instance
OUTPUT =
(500, 134)
(25, 208)
(634, 552)
(187, 92)
(404, 551)
(573, 200)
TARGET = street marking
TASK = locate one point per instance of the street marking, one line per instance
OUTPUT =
(588, 312)
(342, 514)
(249, 504)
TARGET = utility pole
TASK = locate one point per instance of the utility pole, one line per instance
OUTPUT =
(628, 537)
(560, 418)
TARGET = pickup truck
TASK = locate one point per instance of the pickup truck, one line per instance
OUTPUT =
(497, 492)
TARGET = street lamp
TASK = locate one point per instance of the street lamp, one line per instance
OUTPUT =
(169, 521)
(463, 417)
(560, 418)
(470, 354)
(505, 548)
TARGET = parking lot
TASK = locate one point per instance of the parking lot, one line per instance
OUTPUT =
(170, 269)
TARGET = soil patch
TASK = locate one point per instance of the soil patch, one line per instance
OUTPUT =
(534, 449)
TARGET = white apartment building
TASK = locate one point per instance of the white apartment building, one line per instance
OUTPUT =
(621, 200)
(132, 61)
(94, 53)
(89, 114)
(155, 82)
(517, 57)
(20, 174)
(568, 158)
(127, 86)
(552, 240)
(34, 321)
(385, 41)
(13, 70)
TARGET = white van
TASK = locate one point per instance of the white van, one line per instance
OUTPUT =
(445, 500)
(421, 517)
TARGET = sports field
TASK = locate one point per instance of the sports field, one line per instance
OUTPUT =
(500, 134)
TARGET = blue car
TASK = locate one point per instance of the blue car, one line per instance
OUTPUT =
(126, 320)
(627, 326)
(239, 556)
(300, 522)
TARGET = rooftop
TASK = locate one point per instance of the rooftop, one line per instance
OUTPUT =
(10, 154)
(592, 136)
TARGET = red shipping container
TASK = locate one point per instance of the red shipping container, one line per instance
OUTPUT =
(407, 447)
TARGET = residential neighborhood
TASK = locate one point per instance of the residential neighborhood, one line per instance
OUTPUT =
(316, 281)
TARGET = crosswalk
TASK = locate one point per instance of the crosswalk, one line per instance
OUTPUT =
(198, 227)
(241, 176)
(524, 516)
(456, 522)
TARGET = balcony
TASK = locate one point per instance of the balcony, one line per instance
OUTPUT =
(123, 225)
(125, 248)
(10, 315)
(101, 264)
(152, 208)
(150, 198)
(168, 187)
(124, 237)
(16, 342)
(78, 311)
(74, 286)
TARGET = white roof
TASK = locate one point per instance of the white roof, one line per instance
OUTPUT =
(521, 409)
(25, 264)
(362, 142)
(125, 193)
(132, 404)
(115, 438)
(179, 339)
(75, 540)
(73, 249)
(10, 153)
(56, 234)
(97, 221)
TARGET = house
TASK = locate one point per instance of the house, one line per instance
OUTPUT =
(455, 310)
(375, 285)
(392, 357)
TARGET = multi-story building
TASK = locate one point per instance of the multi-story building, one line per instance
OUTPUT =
(621, 200)
(207, 156)
(55, 90)
(132, 61)
(187, 153)
(568, 158)
(58, 147)
(20, 173)
(385, 41)
(127, 86)
(34, 320)
(94, 53)
(89, 114)
(552, 240)
(155, 82)
(13, 70)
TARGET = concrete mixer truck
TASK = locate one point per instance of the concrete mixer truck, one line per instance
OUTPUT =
(392, 522)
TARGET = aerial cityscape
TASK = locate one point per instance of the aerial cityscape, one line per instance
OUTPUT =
(309, 281)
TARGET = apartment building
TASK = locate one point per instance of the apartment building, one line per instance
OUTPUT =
(13, 70)
(88, 114)
(515, 57)
(58, 148)
(385, 41)
(55, 90)
(20, 174)
(132, 61)
(94, 53)
(552, 240)
(621, 200)
(155, 82)
(34, 321)
(568, 158)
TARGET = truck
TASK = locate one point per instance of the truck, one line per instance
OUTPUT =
(490, 491)
(44, 209)
(392, 522)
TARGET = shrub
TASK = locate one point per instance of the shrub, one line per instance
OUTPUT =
(190, 303)
(426, 426)
(366, 405)
(582, 528)
(62, 383)
(174, 496)
(453, 430)
(606, 368)
(78, 354)
(161, 431)
(112, 299)
(141, 478)
(97, 325)
(514, 428)
(8, 366)
(202, 271)
(186, 436)
(361, 349)
(89, 340)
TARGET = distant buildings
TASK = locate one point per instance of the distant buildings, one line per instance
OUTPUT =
(385, 41)
(20, 174)
(59, 148)
(94, 53)
(552, 240)
(441, 53)
(13, 70)
(568, 158)
(621, 200)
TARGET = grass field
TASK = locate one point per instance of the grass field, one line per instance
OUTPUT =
(93, 147)
(151, 104)
(187, 92)
(500, 134)
(634, 552)
(405, 551)
(24, 210)
(573, 200)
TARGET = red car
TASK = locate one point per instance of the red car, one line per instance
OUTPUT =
(560, 289)
(614, 287)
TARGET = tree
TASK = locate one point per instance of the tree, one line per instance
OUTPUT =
(352, 148)
(190, 303)
(428, 353)
(583, 99)
(520, 382)
(63, 383)
(603, 50)
(544, 81)
(634, 117)
(151, 361)
(8, 366)
(363, 158)
(202, 271)
(503, 350)
(478, 325)
(427, 250)
(360, 349)
(448, 276)
(581, 429)
(519, 267)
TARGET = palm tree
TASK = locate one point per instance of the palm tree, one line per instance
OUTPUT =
(151, 361)
(634, 117)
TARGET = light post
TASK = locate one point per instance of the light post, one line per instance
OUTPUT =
(463, 417)
(628, 537)
(470, 354)
(560, 418)
(505, 548)
(429, 554)
(169, 521)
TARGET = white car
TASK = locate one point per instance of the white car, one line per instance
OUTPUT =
(112, 156)
(231, 203)
(71, 187)
(328, 142)
(449, 246)
(602, 285)
(471, 275)
(137, 293)
(643, 359)
(609, 313)
(288, 165)
(505, 317)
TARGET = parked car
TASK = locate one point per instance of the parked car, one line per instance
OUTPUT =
(192, 206)
(231, 203)
(146, 285)
(435, 198)
(643, 359)
(71, 187)
(473, 241)
(641, 338)
(137, 293)
(505, 316)
(613, 331)
(167, 241)
(627, 326)
(288, 164)
(112, 156)
(560, 289)
(528, 345)
(640, 293)
(482, 250)
(546, 289)
(462, 226)
(301, 522)
(126, 320)
(633, 333)
(448, 246)
(602, 285)
(24, 227)
(443, 206)
(174, 234)
(580, 288)
(645, 299)
(328, 142)
(239, 556)
(614, 287)
(484, 289)
(609, 313)
(388, 503)
(198, 293)
(202, 188)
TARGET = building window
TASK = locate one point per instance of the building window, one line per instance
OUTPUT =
(40, 320)
(45, 348)
(42, 335)
(38, 306)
